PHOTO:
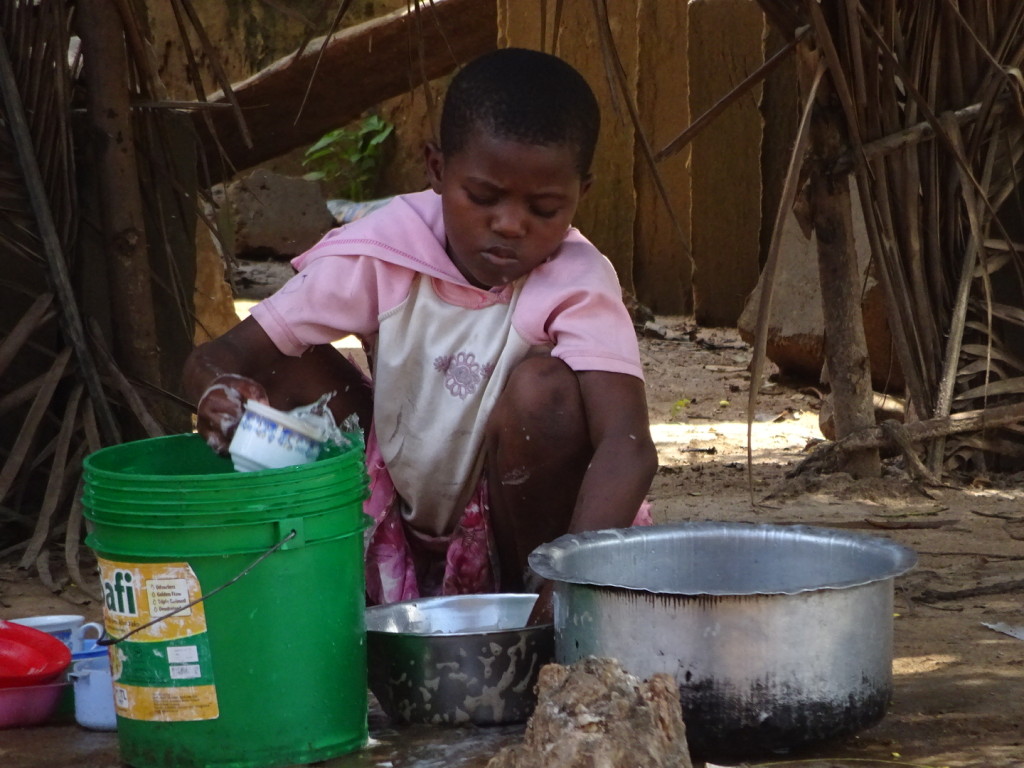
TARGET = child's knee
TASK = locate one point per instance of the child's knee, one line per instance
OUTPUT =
(543, 390)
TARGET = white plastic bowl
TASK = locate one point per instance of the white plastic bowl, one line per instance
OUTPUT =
(267, 438)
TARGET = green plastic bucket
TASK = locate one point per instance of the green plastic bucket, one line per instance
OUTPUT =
(179, 465)
(269, 668)
(119, 505)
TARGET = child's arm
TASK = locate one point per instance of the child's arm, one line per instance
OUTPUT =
(245, 364)
(624, 460)
(222, 374)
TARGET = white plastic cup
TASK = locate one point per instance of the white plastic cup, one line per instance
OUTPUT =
(68, 628)
(94, 688)
(267, 438)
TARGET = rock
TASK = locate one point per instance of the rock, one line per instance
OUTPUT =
(654, 330)
(213, 299)
(276, 216)
(796, 341)
(593, 714)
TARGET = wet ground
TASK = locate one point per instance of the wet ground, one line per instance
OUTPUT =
(57, 746)
(68, 745)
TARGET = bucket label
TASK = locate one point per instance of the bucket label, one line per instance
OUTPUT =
(163, 672)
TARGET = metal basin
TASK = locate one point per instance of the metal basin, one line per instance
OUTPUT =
(778, 636)
(457, 660)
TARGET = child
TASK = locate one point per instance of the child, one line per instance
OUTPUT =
(507, 405)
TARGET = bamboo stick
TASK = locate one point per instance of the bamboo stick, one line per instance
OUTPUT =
(73, 534)
(751, 80)
(619, 74)
(955, 329)
(923, 131)
(185, 6)
(42, 564)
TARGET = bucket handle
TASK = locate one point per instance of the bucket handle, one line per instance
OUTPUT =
(107, 639)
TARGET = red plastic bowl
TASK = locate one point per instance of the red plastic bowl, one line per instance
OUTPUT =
(29, 656)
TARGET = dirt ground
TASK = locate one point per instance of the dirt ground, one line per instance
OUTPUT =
(959, 685)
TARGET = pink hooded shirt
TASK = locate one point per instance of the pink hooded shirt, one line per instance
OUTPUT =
(443, 349)
(359, 272)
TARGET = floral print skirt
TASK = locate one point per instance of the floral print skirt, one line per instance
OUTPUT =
(404, 564)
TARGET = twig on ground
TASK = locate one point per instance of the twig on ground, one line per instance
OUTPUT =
(997, 515)
(892, 524)
(1000, 588)
(986, 555)
(896, 434)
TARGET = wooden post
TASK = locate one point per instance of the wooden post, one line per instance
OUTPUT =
(846, 355)
(106, 75)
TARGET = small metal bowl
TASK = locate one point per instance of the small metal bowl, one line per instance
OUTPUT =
(457, 660)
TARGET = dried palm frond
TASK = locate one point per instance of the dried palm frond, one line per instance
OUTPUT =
(56, 403)
(39, 314)
(931, 93)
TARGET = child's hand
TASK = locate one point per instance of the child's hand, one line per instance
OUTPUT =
(220, 408)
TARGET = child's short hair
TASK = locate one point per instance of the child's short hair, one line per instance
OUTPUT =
(525, 96)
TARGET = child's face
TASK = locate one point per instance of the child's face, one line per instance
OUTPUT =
(507, 205)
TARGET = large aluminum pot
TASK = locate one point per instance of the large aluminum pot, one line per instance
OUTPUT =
(779, 636)
(457, 660)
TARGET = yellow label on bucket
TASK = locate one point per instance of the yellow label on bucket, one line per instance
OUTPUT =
(162, 672)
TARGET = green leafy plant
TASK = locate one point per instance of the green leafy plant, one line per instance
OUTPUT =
(350, 159)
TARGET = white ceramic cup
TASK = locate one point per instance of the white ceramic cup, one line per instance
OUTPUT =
(267, 438)
(68, 628)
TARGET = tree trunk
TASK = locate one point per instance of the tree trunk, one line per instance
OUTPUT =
(106, 75)
(849, 371)
(296, 100)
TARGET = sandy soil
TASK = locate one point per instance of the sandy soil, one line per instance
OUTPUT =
(958, 684)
